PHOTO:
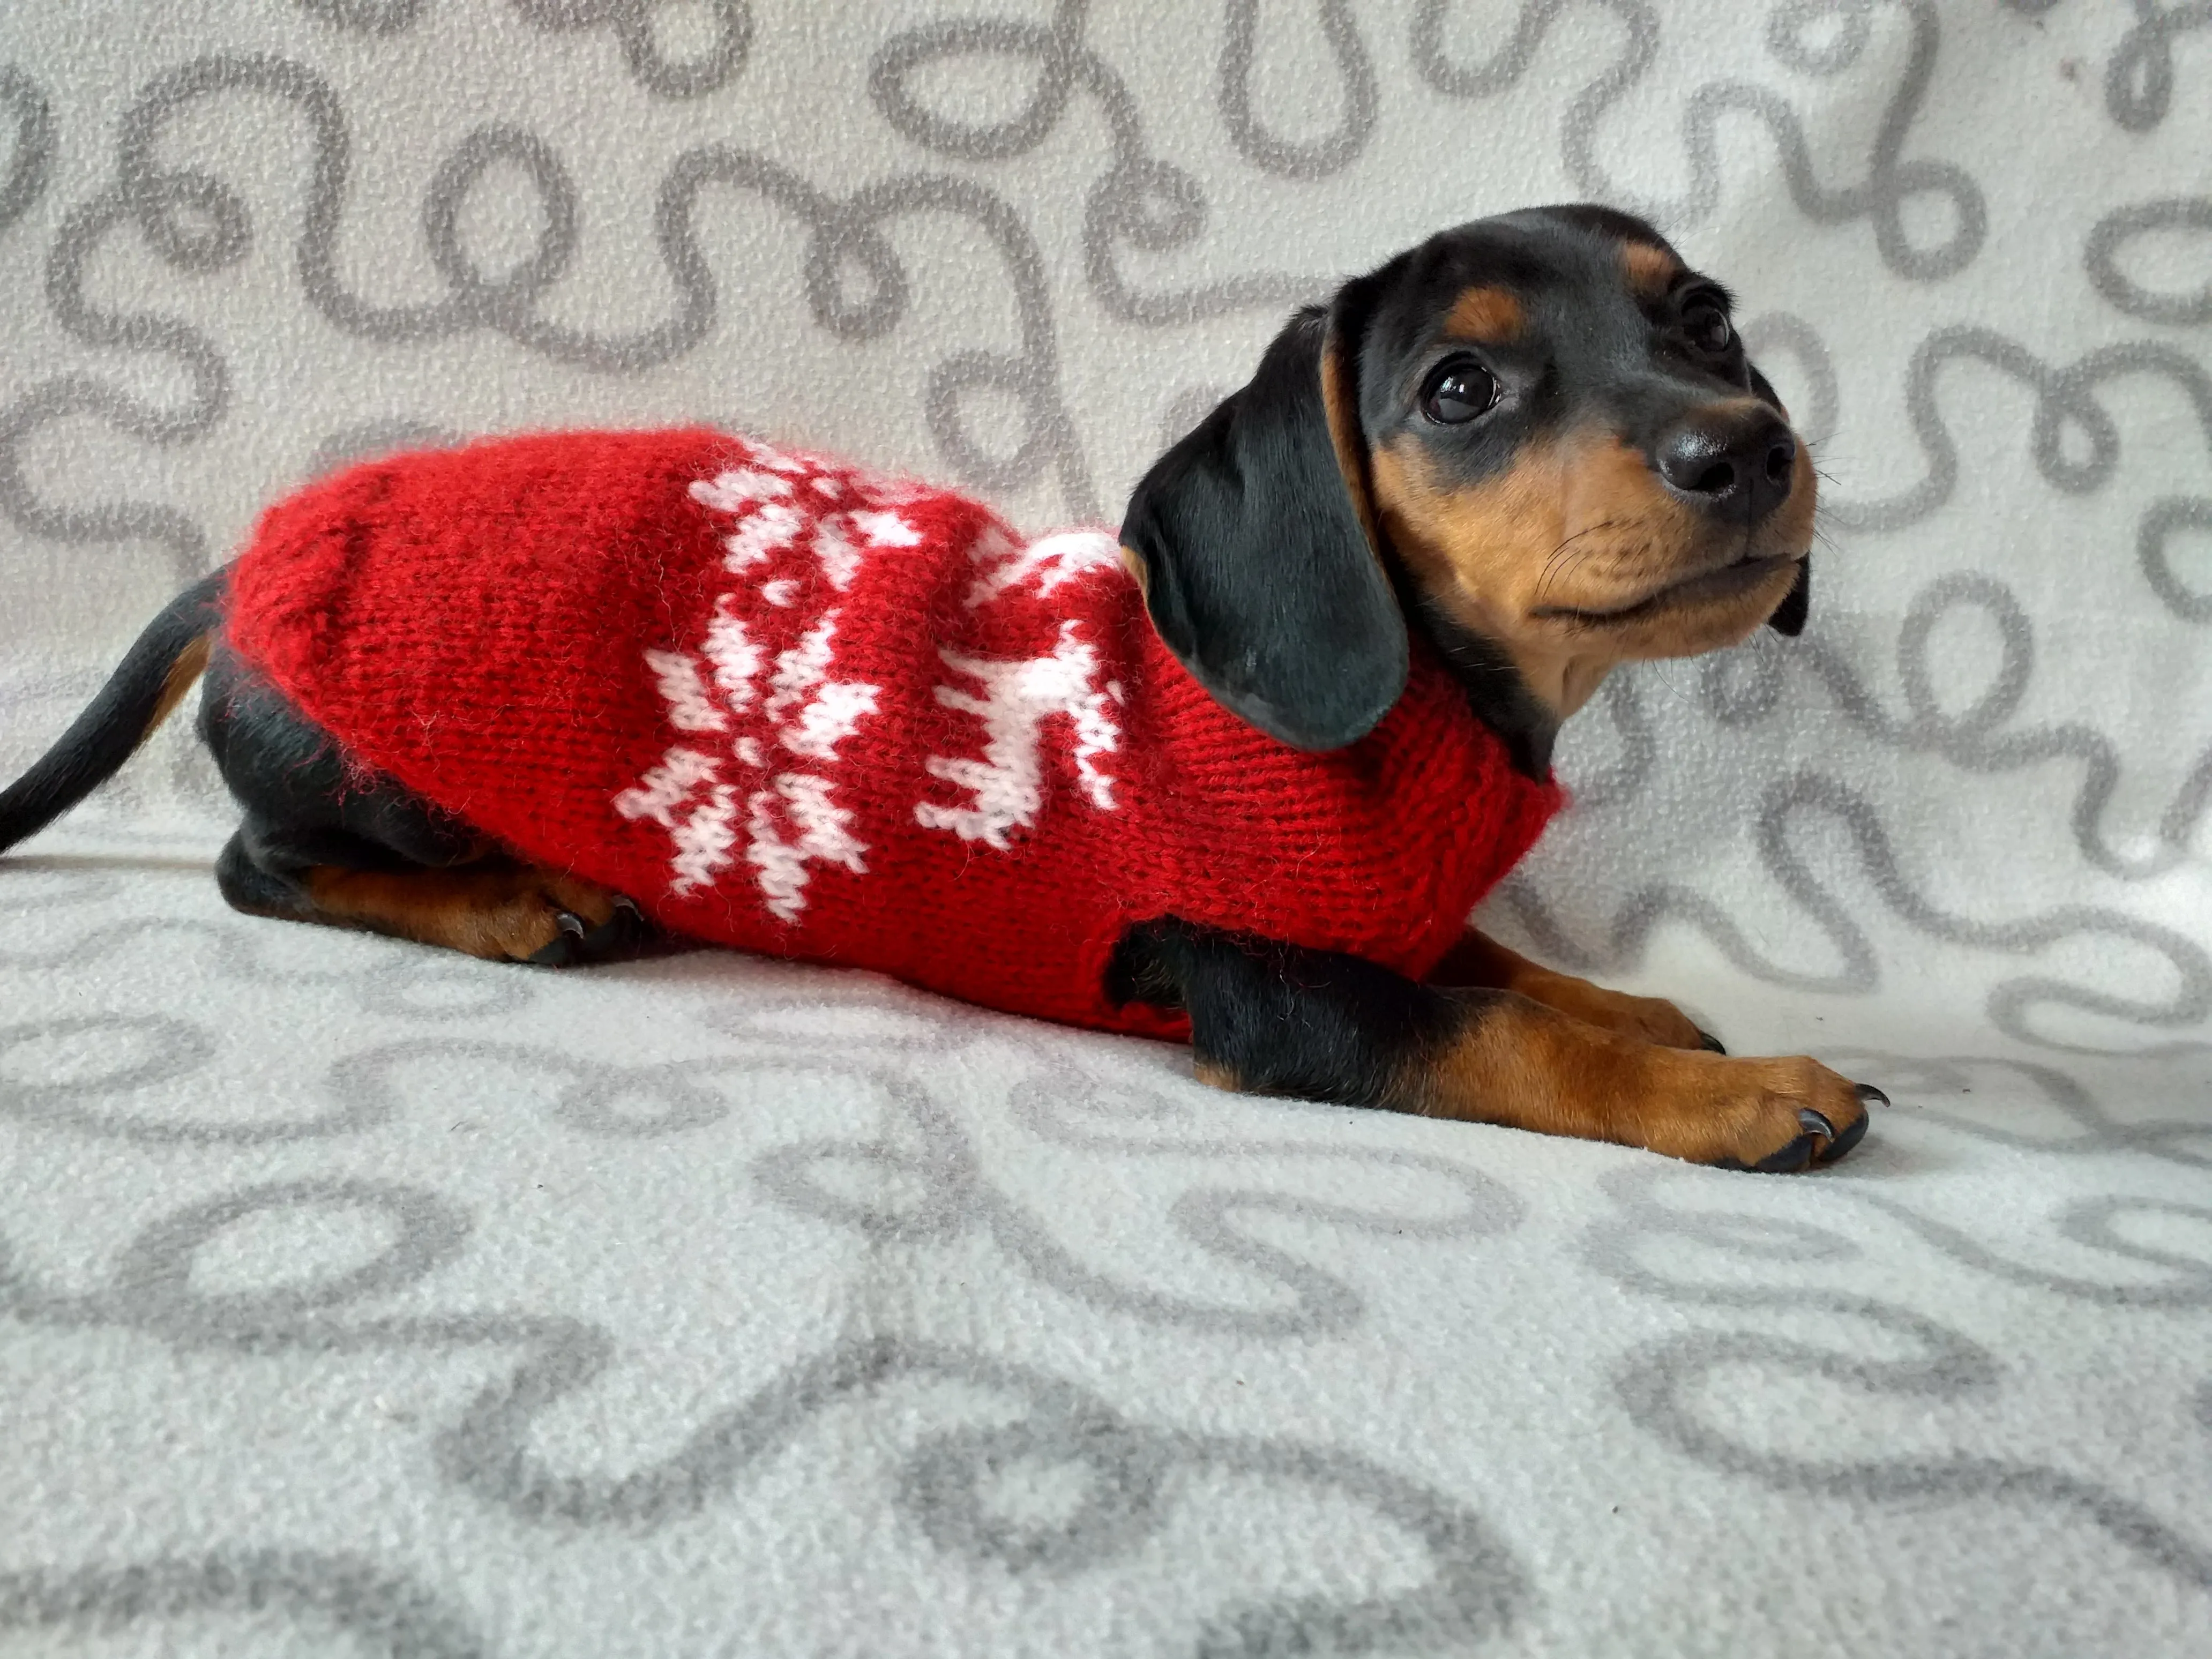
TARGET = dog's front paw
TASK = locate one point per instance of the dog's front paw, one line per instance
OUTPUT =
(1657, 1020)
(1648, 1019)
(588, 924)
(1776, 1115)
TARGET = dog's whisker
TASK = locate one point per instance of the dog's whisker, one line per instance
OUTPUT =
(1673, 691)
(1553, 568)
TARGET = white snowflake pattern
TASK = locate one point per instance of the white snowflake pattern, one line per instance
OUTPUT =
(762, 537)
(841, 560)
(884, 528)
(824, 835)
(735, 658)
(788, 818)
(677, 673)
(667, 786)
(739, 488)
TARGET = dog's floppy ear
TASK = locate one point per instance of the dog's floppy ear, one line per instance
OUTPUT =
(1258, 551)
(1789, 616)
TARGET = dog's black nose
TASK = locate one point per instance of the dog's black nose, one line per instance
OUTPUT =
(1734, 462)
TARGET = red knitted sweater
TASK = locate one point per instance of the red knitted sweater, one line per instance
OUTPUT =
(803, 709)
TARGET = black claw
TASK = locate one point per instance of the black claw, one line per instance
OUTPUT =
(1797, 1155)
(560, 952)
(1708, 1040)
(1867, 1093)
(1843, 1142)
(617, 932)
(577, 944)
(1816, 1121)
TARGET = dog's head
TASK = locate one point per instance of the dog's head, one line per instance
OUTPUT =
(1538, 433)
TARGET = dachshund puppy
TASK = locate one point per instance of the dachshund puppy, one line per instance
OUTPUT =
(1235, 777)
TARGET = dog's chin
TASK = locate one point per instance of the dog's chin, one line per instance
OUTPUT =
(1690, 615)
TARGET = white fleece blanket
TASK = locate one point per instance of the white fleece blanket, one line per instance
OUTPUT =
(356, 1298)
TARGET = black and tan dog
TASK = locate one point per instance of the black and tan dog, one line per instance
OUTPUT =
(1536, 438)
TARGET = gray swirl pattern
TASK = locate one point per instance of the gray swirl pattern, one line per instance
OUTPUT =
(354, 1297)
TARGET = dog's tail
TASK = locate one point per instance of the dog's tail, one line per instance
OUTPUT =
(144, 691)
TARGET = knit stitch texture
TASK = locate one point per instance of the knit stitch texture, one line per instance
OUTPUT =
(800, 709)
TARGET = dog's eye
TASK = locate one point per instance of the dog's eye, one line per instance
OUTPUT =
(1457, 393)
(1707, 328)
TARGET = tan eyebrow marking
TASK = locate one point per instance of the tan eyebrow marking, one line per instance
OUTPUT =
(1650, 270)
(1485, 313)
